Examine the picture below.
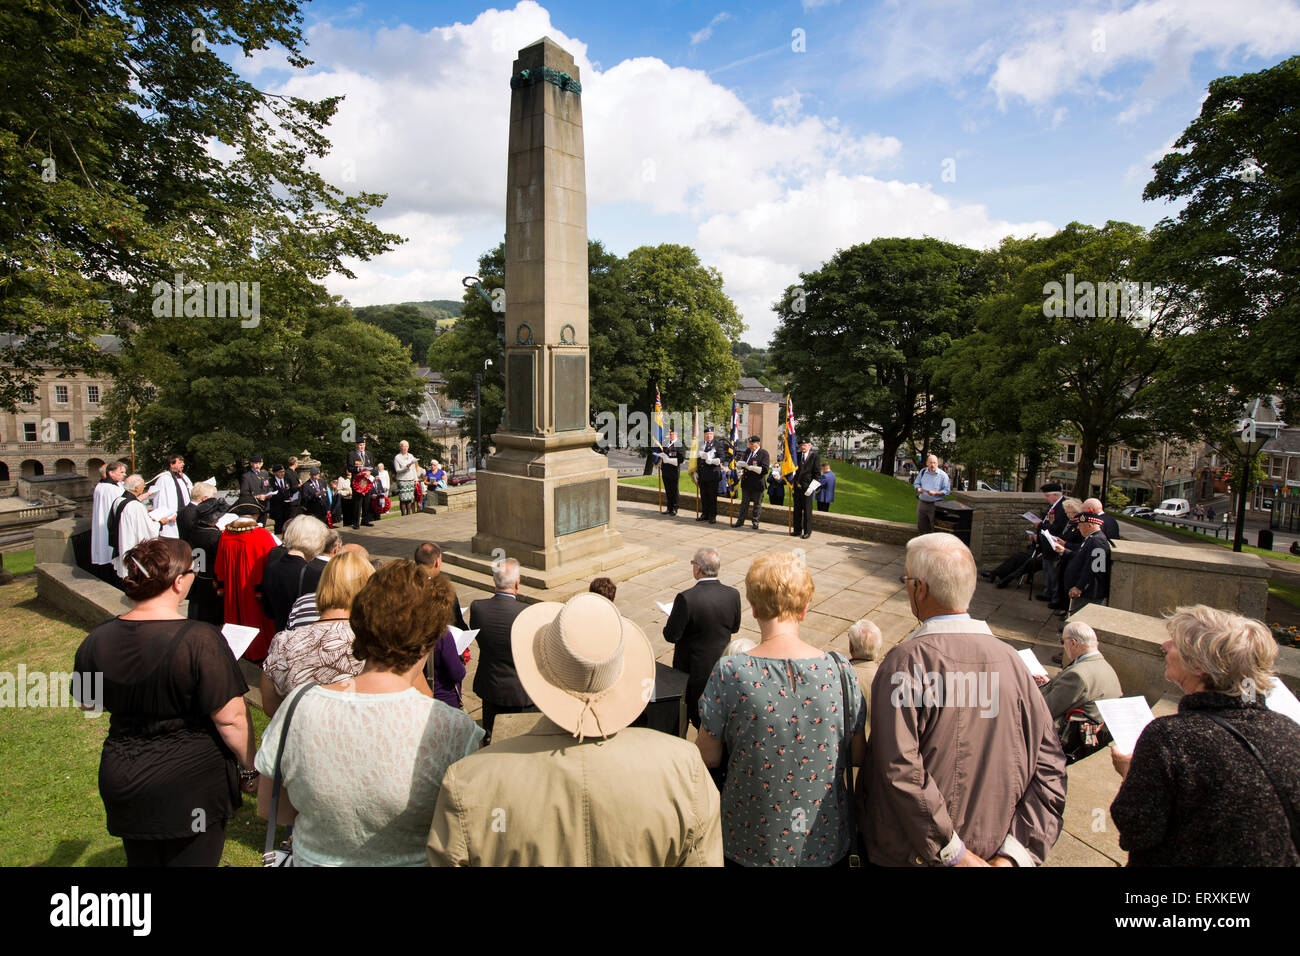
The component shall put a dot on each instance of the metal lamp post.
(1248, 443)
(478, 420)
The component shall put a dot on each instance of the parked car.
(460, 480)
(1174, 508)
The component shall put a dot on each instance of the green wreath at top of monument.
(545, 73)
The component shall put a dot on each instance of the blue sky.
(768, 135)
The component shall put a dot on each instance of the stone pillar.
(765, 422)
(546, 497)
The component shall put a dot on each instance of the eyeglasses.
(904, 578)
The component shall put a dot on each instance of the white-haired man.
(496, 682)
(129, 521)
(702, 621)
(963, 767)
(865, 646)
(1087, 677)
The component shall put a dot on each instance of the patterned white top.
(316, 653)
(364, 771)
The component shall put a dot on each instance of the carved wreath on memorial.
(568, 335)
(562, 80)
(524, 334)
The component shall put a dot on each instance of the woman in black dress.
(179, 728)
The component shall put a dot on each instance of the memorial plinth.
(546, 497)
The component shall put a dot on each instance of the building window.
(1278, 467)
(1071, 454)
(29, 431)
(28, 395)
(1101, 460)
(1131, 460)
(65, 431)
(61, 394)
(92, 394)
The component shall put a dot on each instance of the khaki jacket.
(1085, 679)
(963, 753)
(638, 798)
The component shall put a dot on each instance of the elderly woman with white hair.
(1218, 783)
(406, 472)
(296, 572)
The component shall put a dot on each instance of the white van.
(1174, 508)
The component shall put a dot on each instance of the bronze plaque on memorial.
(581, 506)
(570, 372)
(519, 388)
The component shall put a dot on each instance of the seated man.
(1085, 678)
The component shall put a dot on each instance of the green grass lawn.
(20, 562)
(858, 491)
(1285, 592)
(50, 810)
(1220, 542)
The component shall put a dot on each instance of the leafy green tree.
(411, 326)
(854, 337)
(110, 182)
(1231, 253)
(308, 376)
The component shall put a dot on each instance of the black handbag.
(270, 855)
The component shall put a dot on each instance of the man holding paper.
(932, 486)
(670, 459)
(753, 474)
(806, 483)
(496, 682)
(707, 472)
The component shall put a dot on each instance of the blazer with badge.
(496, 679)
(704, 471)
(701, 624)
(809, 470)
(358, 460)
(255, 482)
(676, 455)
(754, 482)
(1055, 521)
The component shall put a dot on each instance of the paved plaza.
(854, 579)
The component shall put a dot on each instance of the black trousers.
(670, 488)
(803, 508)
(202, 849)
(751, 505)
(709, 498)
(823, 506)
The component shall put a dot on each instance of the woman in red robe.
(241, 560)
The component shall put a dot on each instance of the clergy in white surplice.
(171, 493)
(135, 523)
(107, 491)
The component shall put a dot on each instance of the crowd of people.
(941, 750)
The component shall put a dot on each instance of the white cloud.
(700, 36)
(1073, 52)
(763, 248)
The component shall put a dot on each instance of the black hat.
(277, 467)
(313, 470)
(246, 507)
(256, 457)
(1051, 486)
(708, 428)
(754, 438)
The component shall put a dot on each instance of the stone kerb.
(997, 528)
(848, 526)
(1153, 579)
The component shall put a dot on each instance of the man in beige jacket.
(582, 788)
(963, 766)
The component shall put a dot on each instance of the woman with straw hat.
(581, 788)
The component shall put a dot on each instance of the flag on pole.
(659, 421)
(733, 474)
(788, 466)
(693, 463)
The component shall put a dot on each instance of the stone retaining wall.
(848, 526)
(1156, 578)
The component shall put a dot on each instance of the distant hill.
(416, 324)
(434, 308)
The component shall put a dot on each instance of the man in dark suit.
(255, 485)
(1055, 521)
(700, 625)
(278, 505)
(708, 472)
(496, 682)
(753, 480)
(809, 470)
(359, 505)
(670, 468)
(295, 487)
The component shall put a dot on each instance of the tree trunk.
(1083, 472)
(888, 454)
(1032, 464)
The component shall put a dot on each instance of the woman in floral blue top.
(791, 719)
